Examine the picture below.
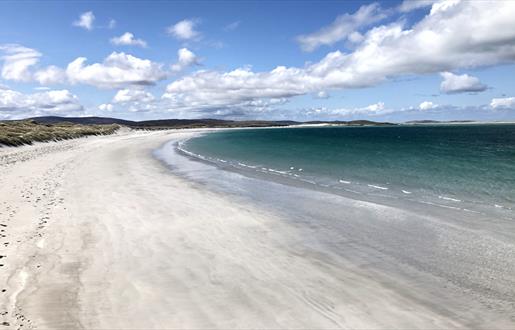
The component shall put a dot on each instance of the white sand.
(101, 235)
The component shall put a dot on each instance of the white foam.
(343, 181)
(449, 199)
(277, 171)
(440, 205)
(406, 192)
(377, 187)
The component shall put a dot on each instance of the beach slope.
(97, 234)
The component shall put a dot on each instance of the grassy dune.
(15, 133)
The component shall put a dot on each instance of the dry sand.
(97, 234)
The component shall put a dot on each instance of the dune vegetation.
(15, 133)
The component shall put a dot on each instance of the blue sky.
(302, 60)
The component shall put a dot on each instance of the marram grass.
(15, 133)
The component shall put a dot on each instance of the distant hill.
(190, 123)
(81, 120)
(160, 123)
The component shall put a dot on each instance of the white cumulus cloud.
(453, 83)
(85, 21)
(118, 69)
(128, 39)
(184, 30)
(50, 75)
(506, 102)
(17, 62)
(132, 95)
(15, 104)
(427, 105)
(105, 107)
(185, 58)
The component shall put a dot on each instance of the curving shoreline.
(102, 235)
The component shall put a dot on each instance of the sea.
(467, 167)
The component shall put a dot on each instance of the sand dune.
(98, 234)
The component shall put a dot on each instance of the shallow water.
(467, 167)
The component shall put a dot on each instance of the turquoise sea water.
(469, 167)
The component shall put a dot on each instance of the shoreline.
(438, 205)
(95, 223)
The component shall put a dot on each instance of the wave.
(449, 199)
(377, 187)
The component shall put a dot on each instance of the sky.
(288, 60)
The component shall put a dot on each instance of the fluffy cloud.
(14, 104)
(50, 75)
(455, 34)
(105, 107)
(460, 83)
(118, 69)
(345, 26)
(185, 58)
(132, 95)
(427, 105)
(17, 62)
(85, 20)
(128, 39)
(184, 30)
(377, 107)
(507, 102)
(216, 89)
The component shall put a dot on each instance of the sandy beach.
(98, 234)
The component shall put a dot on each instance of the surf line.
(377, 187)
